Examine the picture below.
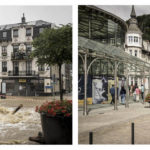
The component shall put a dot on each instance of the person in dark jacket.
(123, 94)
(112, 92)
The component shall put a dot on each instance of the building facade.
(20, 73)
(106, 28)
(136, 46)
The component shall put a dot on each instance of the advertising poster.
(100, 90)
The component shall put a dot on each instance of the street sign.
(49, 87)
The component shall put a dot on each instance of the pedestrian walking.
(137, 90)
(142, 92)
(112, 92)
(123, 94)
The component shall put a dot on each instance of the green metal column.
(85, 86)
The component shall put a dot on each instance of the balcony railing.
(22, 73)
(20, 56)
(4, 53)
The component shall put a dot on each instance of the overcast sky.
(54, 14)
(123, 11)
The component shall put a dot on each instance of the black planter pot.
(57, 130)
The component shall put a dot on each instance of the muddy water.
(17, 128)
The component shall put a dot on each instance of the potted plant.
(147, 98)
(56, 120)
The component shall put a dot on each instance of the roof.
(133, 14)
(31, 23)
(133, 24)
(110, 52)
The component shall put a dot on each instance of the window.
(28, 48)
(15, 33)
(4, 50)
(4, 34)
(135, 53)
(130, 51)
(112, 41)
(135, 39)
(41, 68)
(4, 66)
(130, 39)
(41, 30)
(29, 67)
(15, 48)
(28, 32)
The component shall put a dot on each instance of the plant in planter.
(147, 98)
(56, 120)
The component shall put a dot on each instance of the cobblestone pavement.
(114, 127)
(17, 128)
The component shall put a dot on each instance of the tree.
(54, 47)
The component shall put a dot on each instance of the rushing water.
(16, 128)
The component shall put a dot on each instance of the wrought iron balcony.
(4, 53)
(20, 56)
(22, 73)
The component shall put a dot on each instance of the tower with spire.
(134, 45)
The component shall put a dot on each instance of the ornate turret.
(133, 14)
(23, 19)
(133, 24)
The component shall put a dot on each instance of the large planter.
(57, 130)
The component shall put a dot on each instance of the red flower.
(63, 111)
(67, 114)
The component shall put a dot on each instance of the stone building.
(20, 73)
(136, 46)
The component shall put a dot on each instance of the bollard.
(91, 138)
(132, 133)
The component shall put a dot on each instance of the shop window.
(130, 51)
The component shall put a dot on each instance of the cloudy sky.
(54, 14)
(123, 11)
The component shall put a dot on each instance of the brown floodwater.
(17, 128)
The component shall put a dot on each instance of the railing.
(4, 53)
(22, 73)
(20, 56)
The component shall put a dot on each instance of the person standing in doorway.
(123, 95)
(142, 92)
(112, 92)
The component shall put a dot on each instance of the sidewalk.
(114, 126)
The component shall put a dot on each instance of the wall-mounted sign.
(3, 88)
(22, 80)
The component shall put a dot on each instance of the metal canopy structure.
(111, 52)
(102, 36)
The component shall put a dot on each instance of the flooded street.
(17, 128)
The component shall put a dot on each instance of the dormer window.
(15, 33)
(4, 34)
(28, 32)
(41, 30)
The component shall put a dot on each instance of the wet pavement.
(111, 126)
(17, 128)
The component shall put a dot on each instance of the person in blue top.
(112, 92)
